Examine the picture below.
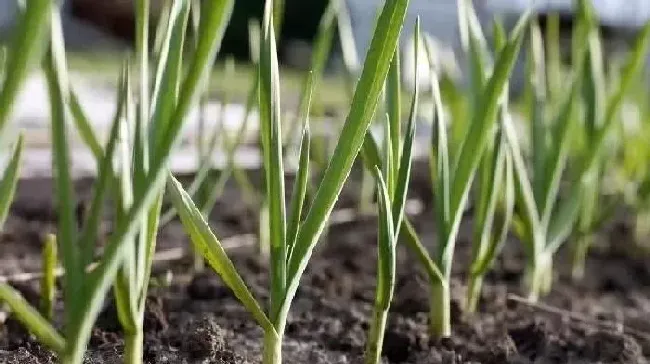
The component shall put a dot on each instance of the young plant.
(452, 182)
(130, 245)
(392, 189)
(26, 49)
(536, 199)
(452, 178)
(496, 196)
(591, 209)
(543, 220)
(289, 255)
(494, 188)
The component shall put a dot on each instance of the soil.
(195, 319)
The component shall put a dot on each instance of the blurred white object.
(437, 18)
(79, 34)
(8, 9)
(615, 13)
(443, 59)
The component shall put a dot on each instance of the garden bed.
(196, 319)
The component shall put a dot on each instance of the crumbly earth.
(196, 319)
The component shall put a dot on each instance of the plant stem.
(272, 348)
(74, 353)
(133, 350)
(547, 276)
(474, 286)
(376, 336)
(440, 324)
(199, 263)
(539, 275)
(579, 256)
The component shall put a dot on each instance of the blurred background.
(109, 24)
(99, 32)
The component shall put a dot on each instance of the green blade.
(404, 166)
(142, 9)
(386, 246)
(301, 183)
(216, 15)
(32, 319)
(634, 63)
(205, 242)
(499, 35)
(161, 27)
(370, 152)
(562, 222)
(10, 179)
(278, 16)
(56, 75)
(365, 100)
(557, 158)
(484, 233)
(387, 150)
(88, 235)
(472, 148)
(150, 236)
(411, 239)
(525, 200)
(124, 286)
(370, 157)
(83, 125)
(271, 135)
(537, 106)
(394, 110)
(553, 56)
(484, 119)
(168, 70)
(439, 158)
(48, 281)
(27, 47)
(478, 53)
(504, 218)
(567, 210)
(254, 37)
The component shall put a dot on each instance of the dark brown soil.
(196, 319)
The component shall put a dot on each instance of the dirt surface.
(196, 319)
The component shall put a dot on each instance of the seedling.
(25, 50)
(145, 145)
(452, 178)
(452, 182)
(495, 187)
(288, 261)
(543, 220)
(392, 187)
